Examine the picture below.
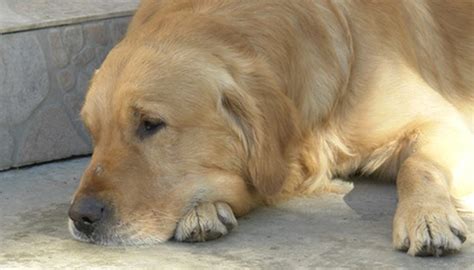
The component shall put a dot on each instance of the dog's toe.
(226, 216)
(430, 231)
(207, 221)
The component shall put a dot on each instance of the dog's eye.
(150, 127)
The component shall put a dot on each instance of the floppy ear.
(265, 121)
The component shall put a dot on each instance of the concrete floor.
(351, 231)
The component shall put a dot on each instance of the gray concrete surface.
(22, 15)
(332, 231)
(44, 73)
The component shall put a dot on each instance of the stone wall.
(44, 75)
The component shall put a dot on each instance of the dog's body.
(261, 100)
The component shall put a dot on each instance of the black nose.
(86, 212)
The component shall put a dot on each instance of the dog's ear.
(265, 121)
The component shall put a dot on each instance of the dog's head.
(174, 127)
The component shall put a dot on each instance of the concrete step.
(48, 52)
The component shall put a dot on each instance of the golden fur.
(268, 99)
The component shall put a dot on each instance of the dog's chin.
(113, 238)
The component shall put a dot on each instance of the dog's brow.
(147, 108)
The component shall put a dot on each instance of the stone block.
(84, 57)
(58, 53)
(44, 75)
(73, 102)
(96, 32)
(23, 76)
(6, 148)
(26, 15)
(49, 136)
(118, 29)
(73, 39)
(65, 79)
(100, 53)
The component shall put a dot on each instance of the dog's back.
(434, 39)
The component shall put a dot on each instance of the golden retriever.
(207, 109)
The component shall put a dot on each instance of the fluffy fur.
(265, 100)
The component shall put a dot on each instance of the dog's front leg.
(439, 168)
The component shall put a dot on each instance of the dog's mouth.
(96, 221)
(116, 234)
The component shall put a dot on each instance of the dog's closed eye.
(149, 127)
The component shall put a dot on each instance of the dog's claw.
(207, 221)
(459, 234)
(226, 216)
(428, 231)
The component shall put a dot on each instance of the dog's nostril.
(86, 220)
(86, 212)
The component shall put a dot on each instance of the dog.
(207, 109)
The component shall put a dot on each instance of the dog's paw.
(428, 230)
(207, 221)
